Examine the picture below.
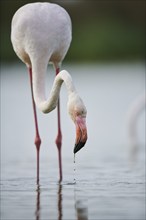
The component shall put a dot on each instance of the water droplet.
(74, 158)
(74, 169)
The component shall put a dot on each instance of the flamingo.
(41, 33)
(136, 108)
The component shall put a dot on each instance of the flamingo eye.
(81, 112)
(77, 113)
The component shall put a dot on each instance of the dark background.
(102, 30)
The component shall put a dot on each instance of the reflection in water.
(81, 210)
(37, 212)
(80, 207)
(59, 201)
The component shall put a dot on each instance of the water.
(102, 184)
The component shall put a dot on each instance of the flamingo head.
(78, 112)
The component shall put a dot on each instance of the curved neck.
(47, 105)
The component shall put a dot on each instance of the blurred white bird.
(135, 110)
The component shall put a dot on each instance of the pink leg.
(37, 138)
(59, 137)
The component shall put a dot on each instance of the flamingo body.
(41, 31)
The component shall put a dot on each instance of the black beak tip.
(78, 146)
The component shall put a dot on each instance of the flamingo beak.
(81, 133)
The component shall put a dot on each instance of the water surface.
(104, 185)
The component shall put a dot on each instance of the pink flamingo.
(41, 33)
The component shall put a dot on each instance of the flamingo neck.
(48, 105)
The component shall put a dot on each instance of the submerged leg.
(37, 138)
(59, 137)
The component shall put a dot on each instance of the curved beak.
(81, 133)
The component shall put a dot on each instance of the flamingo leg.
(59, 136)
(37, 137)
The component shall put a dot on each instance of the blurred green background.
(102, 30)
